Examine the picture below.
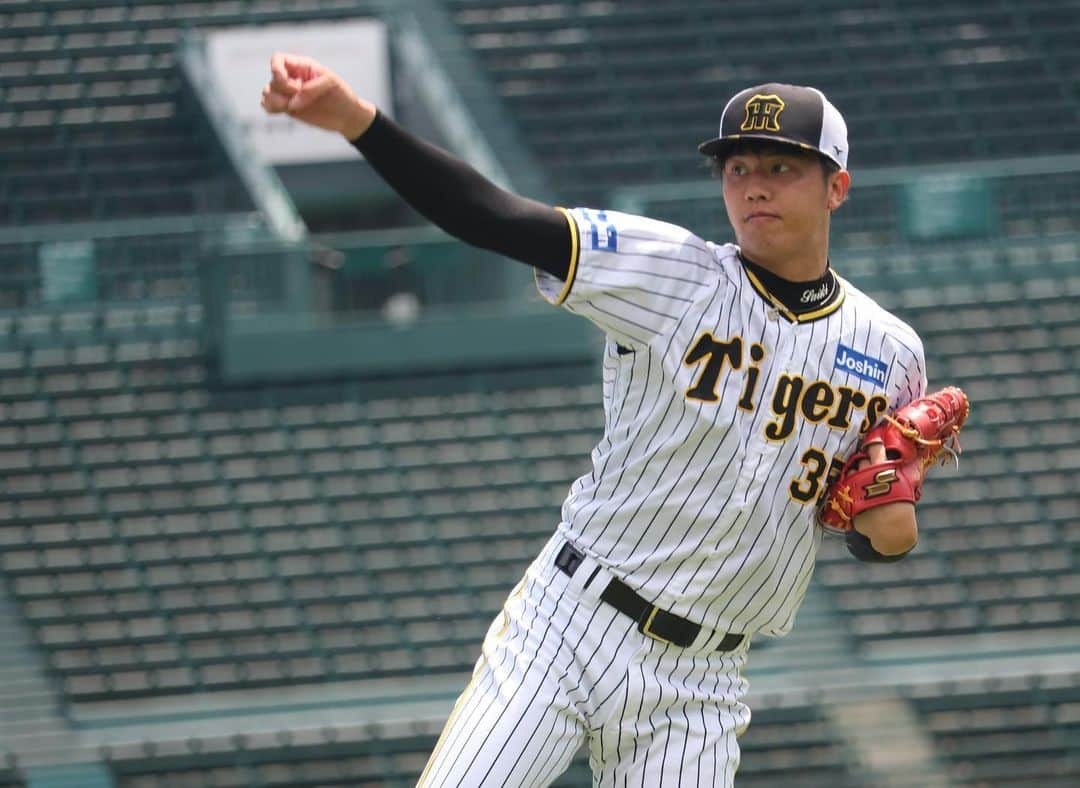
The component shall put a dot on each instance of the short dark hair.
(761, 147)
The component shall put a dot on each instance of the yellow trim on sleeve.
(575, 250)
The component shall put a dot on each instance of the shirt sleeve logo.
(602, 233)
(855, 363)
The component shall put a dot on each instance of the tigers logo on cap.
(787, 114)
(763, 113)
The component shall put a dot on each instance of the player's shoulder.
(652, 247)
(727, 262)
(868, 311)
(632, 224)
(629, 233)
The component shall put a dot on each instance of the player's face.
(779, 203)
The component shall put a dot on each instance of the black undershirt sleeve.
(860, 547)
(457, 198)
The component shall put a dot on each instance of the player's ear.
(838, 185)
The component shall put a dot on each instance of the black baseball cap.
(789, 114)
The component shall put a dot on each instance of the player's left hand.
(894, 458)
(891, 528)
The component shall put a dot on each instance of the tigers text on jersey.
(723, 418)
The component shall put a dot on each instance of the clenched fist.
(310, 92)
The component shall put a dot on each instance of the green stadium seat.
(989, 541)
(1004, 735)
(96, 92)
(915, 84)
(783, 743)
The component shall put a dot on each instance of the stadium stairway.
(31, 722)
(908, 761)
(821, 643)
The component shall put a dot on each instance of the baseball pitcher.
(753, 400)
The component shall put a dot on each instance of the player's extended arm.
(441, 187)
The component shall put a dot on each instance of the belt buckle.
(646, 627)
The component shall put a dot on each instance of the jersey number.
(807, 486)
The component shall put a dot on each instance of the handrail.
(460, 99)
(121, 228)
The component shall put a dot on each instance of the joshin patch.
(861, 366)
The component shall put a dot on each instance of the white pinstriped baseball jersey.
(722, 418)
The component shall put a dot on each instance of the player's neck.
(808, 268)
(791, 274)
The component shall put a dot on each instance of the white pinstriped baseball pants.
(559, 667)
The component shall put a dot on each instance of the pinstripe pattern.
(687, 500)
(720, 419)
(565, 669)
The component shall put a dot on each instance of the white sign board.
(240, 60)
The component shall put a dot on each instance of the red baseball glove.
(913, 438)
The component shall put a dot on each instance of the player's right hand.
(310, 92)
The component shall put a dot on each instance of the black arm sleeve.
(464, 203)
(860, 547)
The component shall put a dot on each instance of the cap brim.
(718, 146)
(714, 147)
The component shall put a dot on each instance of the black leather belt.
(651, 620)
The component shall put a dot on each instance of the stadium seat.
(569, 72)
(224, 529)
(988, 547)
(95, 94)
(251, 514)
(783, 743)
(998, 736)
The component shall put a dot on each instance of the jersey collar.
(783, 310)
